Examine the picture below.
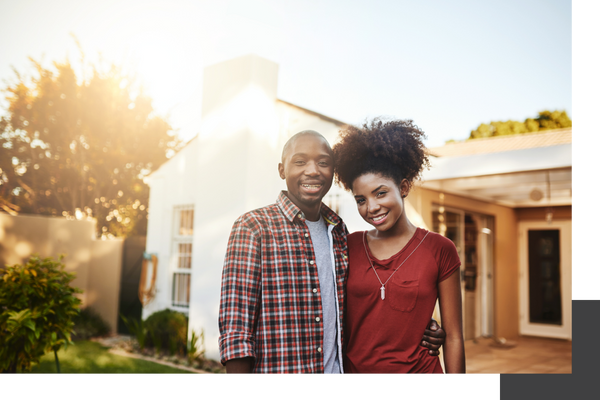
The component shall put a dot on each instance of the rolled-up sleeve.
(240, 292)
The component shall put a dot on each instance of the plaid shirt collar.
(291, 210)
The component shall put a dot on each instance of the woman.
(396, 271)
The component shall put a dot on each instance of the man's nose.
(311, 169)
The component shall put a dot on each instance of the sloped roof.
(504, 143)
(323, 117)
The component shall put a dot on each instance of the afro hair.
(392, 148)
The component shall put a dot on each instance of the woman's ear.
(404, 188)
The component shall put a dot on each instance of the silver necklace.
(382, 288)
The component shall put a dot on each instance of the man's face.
(307, 168)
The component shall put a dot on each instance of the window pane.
(186, 222)
(184, 255)
(181, 289)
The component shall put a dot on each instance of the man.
(282, 291)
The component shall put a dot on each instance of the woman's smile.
(379, 219)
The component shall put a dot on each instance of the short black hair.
(392, 148)
(293, 139)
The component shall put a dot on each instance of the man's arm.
(240, 299)
(433, 338)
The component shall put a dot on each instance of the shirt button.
(317, 319)
(319, 349)
(306, 235)
(311, 262)
(315, 290)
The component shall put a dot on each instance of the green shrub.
(89, 324)
(167, 329)
(37, 307)
(137, 329)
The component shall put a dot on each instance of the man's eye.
(299, 163)
(324, 164)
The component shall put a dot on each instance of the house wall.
(96, 264)
(506, 268)
(173, 184)
(539, 213)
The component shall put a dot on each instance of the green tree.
(80, 147)
(545, 120)
(37, 306)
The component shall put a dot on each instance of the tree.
(37, 306)
(81, 147)
(545, 120)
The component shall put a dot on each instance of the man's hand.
(433, 338)
(239, 365)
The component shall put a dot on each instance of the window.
(333, 201)
(182, 255)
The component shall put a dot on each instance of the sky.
(447, 65)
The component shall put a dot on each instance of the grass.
(92, 358)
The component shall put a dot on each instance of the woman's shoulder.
(355, 237)
(439, 240)
(441, 248)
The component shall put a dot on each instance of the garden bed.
(126, 346)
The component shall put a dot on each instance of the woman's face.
(379, 200)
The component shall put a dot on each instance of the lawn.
(93, 358)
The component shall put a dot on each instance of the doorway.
(472, 234)
(545, 279)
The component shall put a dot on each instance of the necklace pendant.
(382, 292)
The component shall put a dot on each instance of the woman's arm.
(451, 314)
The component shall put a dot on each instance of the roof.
(324, 117)
(504, 143)
(532, 159)
(530, 170)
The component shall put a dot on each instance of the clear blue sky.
(448, 65)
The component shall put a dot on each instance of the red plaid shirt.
(270, 296)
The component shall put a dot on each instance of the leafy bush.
(167, 329)
(137, 329)
(37, 307)
(89, 324)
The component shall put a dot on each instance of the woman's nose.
(372, 206)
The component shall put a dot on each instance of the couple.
(301, 295)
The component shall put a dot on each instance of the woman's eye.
(379, 194)
(360, 202)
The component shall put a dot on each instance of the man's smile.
(311, 188)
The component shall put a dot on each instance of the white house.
(490, 196)
(228, 169)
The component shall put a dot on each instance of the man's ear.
(281, 171)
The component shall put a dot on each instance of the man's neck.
(311, 213)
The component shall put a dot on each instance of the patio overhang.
(536, 177)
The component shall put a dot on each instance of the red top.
(384, 336)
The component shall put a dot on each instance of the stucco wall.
(96, 264)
